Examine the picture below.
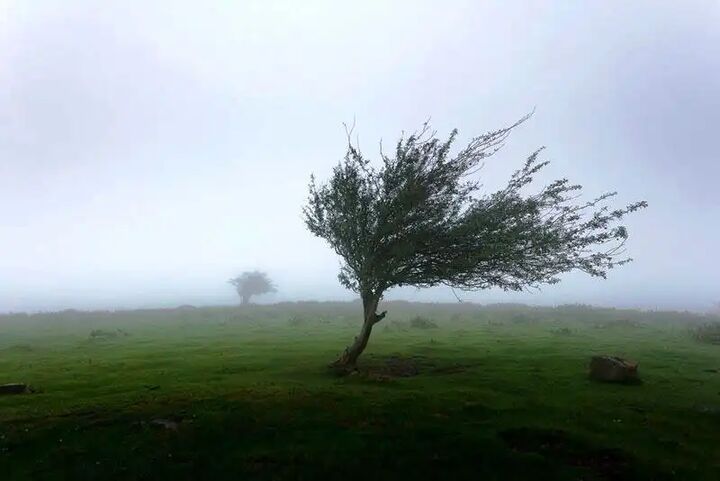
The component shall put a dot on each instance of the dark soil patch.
(401, 366)
(395, 366)
(609, 464)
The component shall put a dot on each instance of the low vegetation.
(708, 333)
(419, 322)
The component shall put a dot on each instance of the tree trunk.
(348, 359)
(245, 299)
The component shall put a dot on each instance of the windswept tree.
(253, 283)
(418, 218)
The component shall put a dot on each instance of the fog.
(148, 153)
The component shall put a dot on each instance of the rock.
(613, 369)
(166, 424)
(14, 388)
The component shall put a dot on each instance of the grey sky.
(148, 153)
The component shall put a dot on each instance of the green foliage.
(521, 318)
(419, 322)
(617, 323)
(107, 334)
(253, 283)
(296, 321)
(419, 219)
(707, 333)
(562, 331)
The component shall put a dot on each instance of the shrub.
(616, 323)
(521, 319)
(419, 322)
(103, 334)
(296, 321)
(399, 325)
(708, 333)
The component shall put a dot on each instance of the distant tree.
(250, 284)
(418, 219)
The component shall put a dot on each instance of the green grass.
(502, 394)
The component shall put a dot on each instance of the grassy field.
(500, 393)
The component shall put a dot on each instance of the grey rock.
(613, 369)
(14, 388)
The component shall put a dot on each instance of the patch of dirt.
(609, 464)
(394, 366)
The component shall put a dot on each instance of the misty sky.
(150, 152)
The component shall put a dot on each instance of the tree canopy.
(418, 218)
(253, 283)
